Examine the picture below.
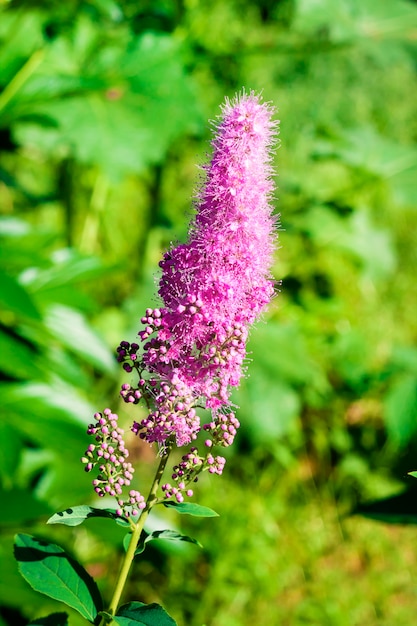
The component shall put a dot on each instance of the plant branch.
(136, 534)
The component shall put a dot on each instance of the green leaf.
(123, 125)
(169, 535)
(22, 506)
(74, 332)
(15, 298)
(400, 408)
(398, 509)
(413, 474)
(55, 619)
(76, 515)
(139, 614)
(18, 358)
(190, 508)
(11, 446)
(68, 268)
(49, 570)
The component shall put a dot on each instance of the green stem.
(20, 78)
(134, 540)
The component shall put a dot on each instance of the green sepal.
(190, 508)
(49, 570)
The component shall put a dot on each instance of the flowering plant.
(190, 355)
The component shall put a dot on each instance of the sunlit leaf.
(167, 535)
(76, 515)
(139, 614)
(190, 508)
(49, 570)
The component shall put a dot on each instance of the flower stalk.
(137, 528)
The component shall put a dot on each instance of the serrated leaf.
(76, 515)
(190, 508)
(55, 619)
(49, 570)
(139, 614)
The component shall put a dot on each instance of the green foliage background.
(103, 116)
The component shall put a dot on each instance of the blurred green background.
(103, 119)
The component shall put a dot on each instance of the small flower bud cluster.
(127, 354)
(222, 429)
(187, 471)
(109, 453)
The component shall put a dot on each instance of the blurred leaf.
(124, 122)
(10, 451)
(74, 332)
(349, 20)
(365, 149)
(351, 357)
(399, 509)
(16, 299)
(76, 515)
(53, 399)
(355, 234)
(400, 408)
(404, 190)
(67, 268)
(21, 505)
(190, 508)
(405, 358)
(18, 358)
(47, 569)
(20, 35)
(326, 17)
(270, 408)
(55, 619)
(13, 227)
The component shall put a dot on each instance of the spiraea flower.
(192, 348)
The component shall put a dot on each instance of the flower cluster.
(191, 350)
(115, 472)
(187, 471)
(213, 287)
